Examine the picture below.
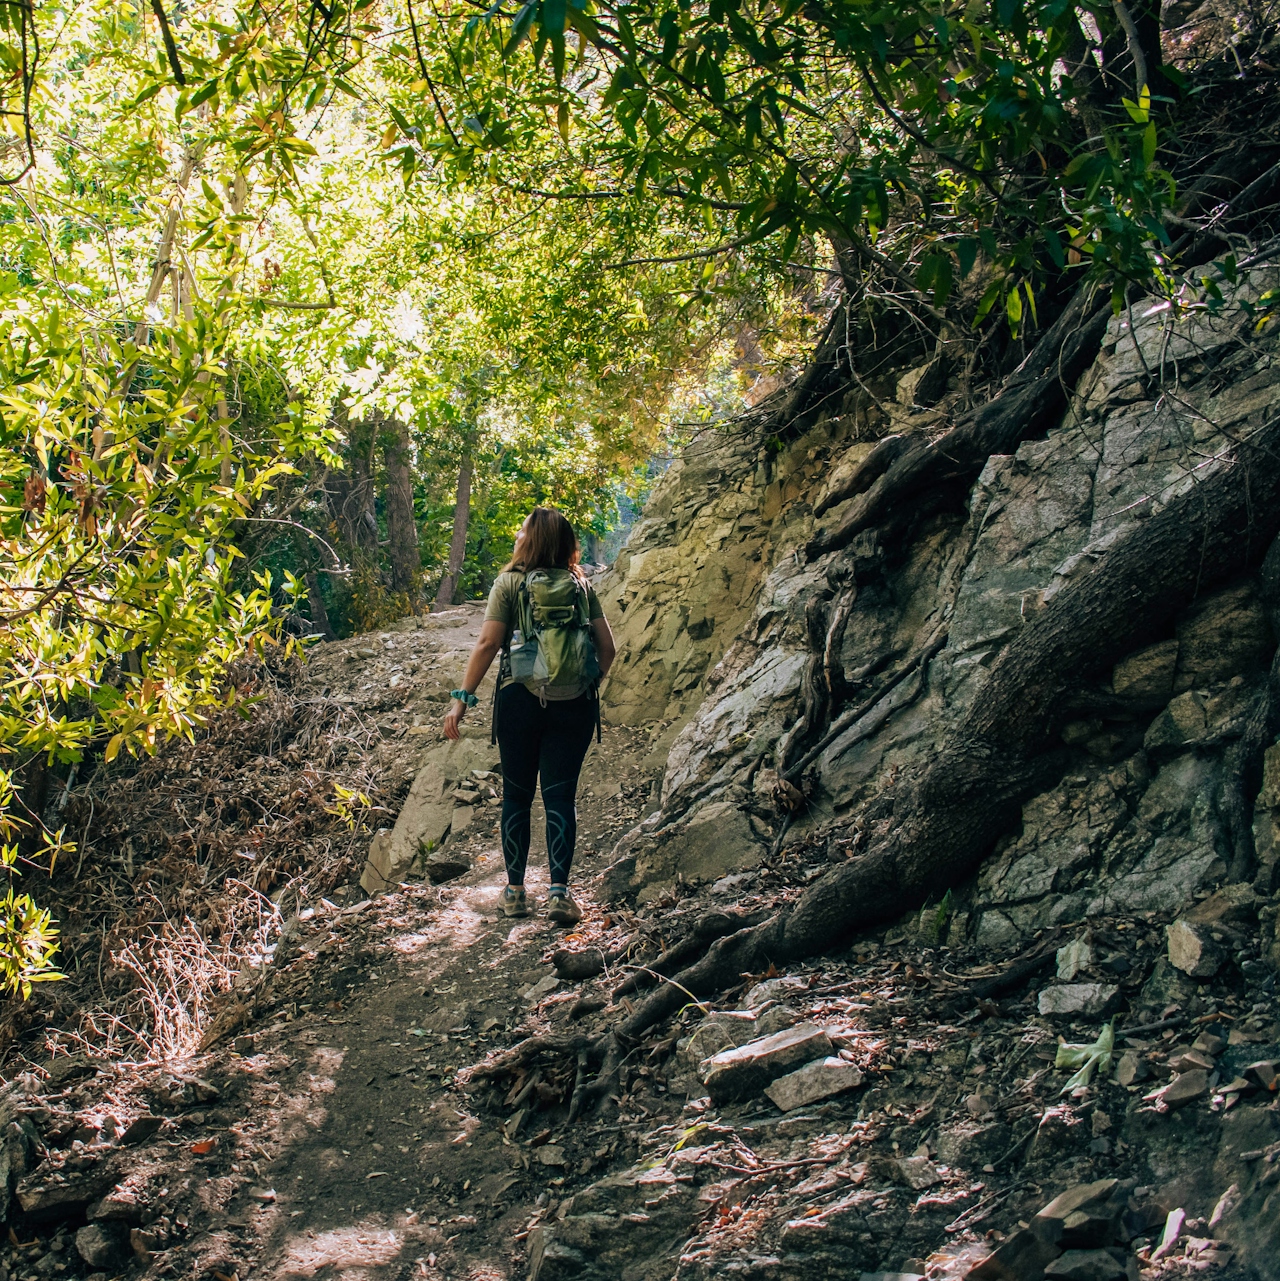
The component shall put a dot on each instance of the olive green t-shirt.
(502, 608)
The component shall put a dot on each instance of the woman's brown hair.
(548, 543)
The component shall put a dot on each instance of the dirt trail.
(379, 1167)
(334, 1129)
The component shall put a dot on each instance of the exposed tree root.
(706, 929)
(1242, 763)
(904, 467)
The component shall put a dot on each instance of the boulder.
(1146, 678)
(1182, 1089)
(779, 989)
(745, 1070)
(428, 810)
(1088, 1265)
(1089, 1000)
(723, 1030)
(446, 865)
(1131, 1069)
(1198, 719)
(717, 840)
(58, 1195)
(141, 1129)
(103, 1245)
(818, 1080)
(1085, 1204)
(576, 966)
(1231, 905)
(1193, 950)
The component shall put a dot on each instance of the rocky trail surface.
(391, 1093)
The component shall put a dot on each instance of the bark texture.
(458, 543)
(315, 603)
(349, 494)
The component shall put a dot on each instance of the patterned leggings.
(550, 742)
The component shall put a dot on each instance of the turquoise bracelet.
(463, 697)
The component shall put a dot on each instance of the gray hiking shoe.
(514, 901)
(562, 909)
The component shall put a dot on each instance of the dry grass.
(189, 864)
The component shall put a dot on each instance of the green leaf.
(1013, 307)
(1053, 242)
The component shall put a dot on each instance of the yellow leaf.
(113, 748)
(393, 132)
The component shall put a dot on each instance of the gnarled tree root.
(905, 467)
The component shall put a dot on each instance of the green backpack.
(556, 649)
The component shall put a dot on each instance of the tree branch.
(170, 48)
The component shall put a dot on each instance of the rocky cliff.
(714, 601)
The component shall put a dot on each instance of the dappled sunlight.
(408, 944)
(351, 1252)
(461, 924)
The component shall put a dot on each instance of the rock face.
(429, 811)
(709, 600)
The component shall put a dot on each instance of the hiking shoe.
(562, 909)
(514, 901)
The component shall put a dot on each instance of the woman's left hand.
(453, 718)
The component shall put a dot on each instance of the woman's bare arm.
(606, 650)
(492, 636)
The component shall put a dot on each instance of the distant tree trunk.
(402, 529)
(315, 602)
(458, 544)
(350, 493)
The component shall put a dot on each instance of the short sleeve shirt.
(505, 593)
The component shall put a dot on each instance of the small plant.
(28, 941)
(350, 805)
(933, 926)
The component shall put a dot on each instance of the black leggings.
(550, 742)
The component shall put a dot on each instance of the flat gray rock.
(1089, 999)
(745, 1070)
(1086, 1265)
(821, 1079)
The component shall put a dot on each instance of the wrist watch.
(463, 697)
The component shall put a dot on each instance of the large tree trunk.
(458, 544)
(402, 528)
(947, 817)
(315, 602)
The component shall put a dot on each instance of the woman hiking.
(556, 645)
